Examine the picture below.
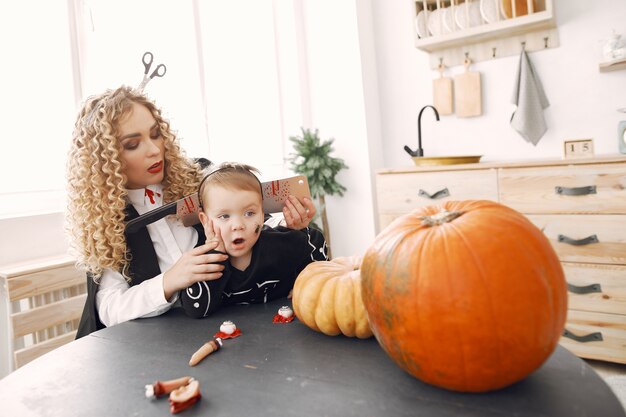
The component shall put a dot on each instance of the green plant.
(313, 160)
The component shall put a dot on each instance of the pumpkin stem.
(444, 216)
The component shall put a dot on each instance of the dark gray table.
(273, 370)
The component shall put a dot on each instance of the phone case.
(276, 192)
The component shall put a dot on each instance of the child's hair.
(97, 194)
(233, 176)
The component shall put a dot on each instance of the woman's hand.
(213, 234)
(297, 215)
(193, 266)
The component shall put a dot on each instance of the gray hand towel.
(530, 99)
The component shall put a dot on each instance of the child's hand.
(297, 215)
(213, 234)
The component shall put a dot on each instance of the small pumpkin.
(327, 298)
(468, 296)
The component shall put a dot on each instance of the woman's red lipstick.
(156, 168)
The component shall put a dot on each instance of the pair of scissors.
(159, 71)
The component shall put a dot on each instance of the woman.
(124, 161)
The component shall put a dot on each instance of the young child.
(263, 263)
(125, 160)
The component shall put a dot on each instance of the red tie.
(150, 195)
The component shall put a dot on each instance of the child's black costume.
(278, 256)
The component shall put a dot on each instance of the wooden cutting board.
(442, 93)
(467, 93)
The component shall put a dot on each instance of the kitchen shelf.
(506, 37)
(617, 64)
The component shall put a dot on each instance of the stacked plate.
(468, 14)
(490, 10)
(420, 24)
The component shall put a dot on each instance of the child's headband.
(245, 169)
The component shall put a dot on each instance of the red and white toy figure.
(161, 388)
(228, 330)
(205, 350)
(185, 396)
(284, 315)
(184, 392)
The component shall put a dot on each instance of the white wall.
(340, 108)
(31, 237)
(583, 101)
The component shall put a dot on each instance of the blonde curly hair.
(96, 188)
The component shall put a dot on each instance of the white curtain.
(233, 90)
(36, 105)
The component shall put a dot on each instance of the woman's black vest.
(143, 265)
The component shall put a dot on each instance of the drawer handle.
(439, 194)
(590, 189)
(584, 289)
(591, 337)
(578, 242)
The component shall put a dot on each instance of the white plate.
(490, 10)
(461, 15)
(435, 23)
(449, 25)
(420, 24)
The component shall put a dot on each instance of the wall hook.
(493, 52)
(545, 42)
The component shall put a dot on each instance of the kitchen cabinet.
(580, 205)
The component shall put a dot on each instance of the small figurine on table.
(284, 315)
(184, 392)
(160, 388)
(185, 396)
(205, 350)
(228, 330)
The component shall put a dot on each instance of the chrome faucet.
(420, 151)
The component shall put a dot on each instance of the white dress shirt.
(116, 301)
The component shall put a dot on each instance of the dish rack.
(455, 30)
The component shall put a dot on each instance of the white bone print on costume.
(321, 250)
(229, 294)
(190, 294)
(265, 284)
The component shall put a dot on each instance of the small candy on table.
(228, 330)
(284, 315)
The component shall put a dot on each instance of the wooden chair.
(44, 303)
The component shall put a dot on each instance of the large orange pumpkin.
(468, 296)
(327, 298)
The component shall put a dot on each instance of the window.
(37, 106)
(242, 84)
(222, 91)
(116, 33)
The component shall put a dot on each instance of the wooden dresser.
(581, 207)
